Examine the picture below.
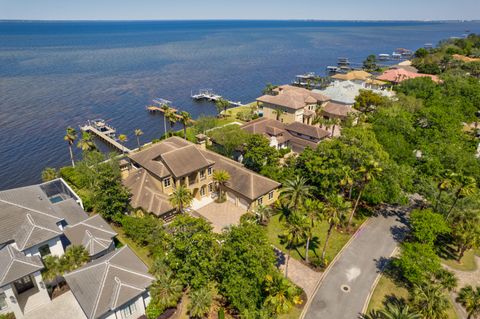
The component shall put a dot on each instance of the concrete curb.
(375, 283)
(319, 283)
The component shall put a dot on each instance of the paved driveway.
(221, 215)
(356, 270)
(64, 306)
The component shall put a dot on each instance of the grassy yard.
(232, 113)
(294, 313)
(141, 252)
(275, 229)
(467, 263)
(387, 289)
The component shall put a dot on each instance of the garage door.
(243, 203)
(231, 197)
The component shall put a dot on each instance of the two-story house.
(290, 104)
(41, 220)
(158, 169)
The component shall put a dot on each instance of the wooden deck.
(107, 139)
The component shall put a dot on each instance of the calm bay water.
(56, 74)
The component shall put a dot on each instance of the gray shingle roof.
(15, 265)
(35, 229)
(308, 130)
(109, 282)
(185, 160)
(93, 233)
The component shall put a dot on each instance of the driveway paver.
(64, 306)
(345, 288)
(221, 215)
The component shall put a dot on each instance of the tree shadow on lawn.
(445, 249)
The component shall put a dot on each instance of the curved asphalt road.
(357, 268)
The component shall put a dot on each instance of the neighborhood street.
(345, 288)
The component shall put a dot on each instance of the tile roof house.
(41, 220)
(296, 135)
(291, 104)
(357, 75)
(396, 76)
(157, 170)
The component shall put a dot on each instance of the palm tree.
(201, 302)
(172, 118)
(268, 90)
(398, 310)
(368, 173)
(334, 215)
(221, 177)
(49, 174)
(313, 211)
(295, 228)
(263, 214)
(469, 298)
(180, 198)
(444, 185)
(122, 138)
(278, 113)
(166, 290)
(319, 119)
(185, 119)
(372, 314)
(430, 301)
(75, 257)
(281, 294)
(222, 106)
(467, 187)
(296, 191)
(334, 121)
(86, 144)
(138, 133)
(466, 233)
(165, 109)
(70, 137)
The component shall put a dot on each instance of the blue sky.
(240, 9)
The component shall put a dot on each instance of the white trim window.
(44, 250)
(166, 182)
(128, 310)
(202, 174)
(270, 195)
(203, 191)
(260, 201)
(210, 188)
(3, 301)
(210, 170)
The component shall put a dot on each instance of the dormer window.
(166, 182)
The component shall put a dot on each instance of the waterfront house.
(358, 76)
(290, 104)
(37, 221)
(162, 167)
(296, 135)
(396, 76)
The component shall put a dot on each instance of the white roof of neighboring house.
(345, 92)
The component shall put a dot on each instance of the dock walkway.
(209, 95)
(107, 139)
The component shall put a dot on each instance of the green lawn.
(275, 229)
(467, 263)
(232, 113)
(294, 313)
(387, 288)
(141, 252)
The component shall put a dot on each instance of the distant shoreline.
(246, 20)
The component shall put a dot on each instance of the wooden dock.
(154, 109)
(209, 95)
(105, 137)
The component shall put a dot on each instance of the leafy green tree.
(49, 174)
(466, 231)
(467, 186)
(259, 153)
(185, 119)
(295, 191)
(138, 132)
(192, 250)
(144, 230)
(246, 258)
(368, 101)
(370, 63)
(70, 137)
(469, 298)
(263, 214)
(427, 225)
(269, 89)
(204, 123)
(444, 185)
(421, 53)
(57, 266)
(172, 118)
(180, 198)
(430, 301)
(221, 177)
(201, 301)
(282, 296)
(230, 138)
(417, 262)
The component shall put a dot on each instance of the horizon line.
(227, 19)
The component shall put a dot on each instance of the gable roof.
(15, 265)
(109, 282)
(93, 233)
(185, 160)
(332, 109)
(292, 97)
(353, 75)
(400, 75)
